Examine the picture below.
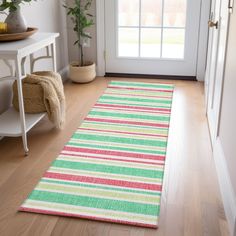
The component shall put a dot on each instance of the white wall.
(228, 110)
(47, 16)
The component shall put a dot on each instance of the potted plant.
(81, 71)
(15, 20)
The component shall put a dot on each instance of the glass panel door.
(157, 34)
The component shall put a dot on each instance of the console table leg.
(21, 104)
(54, 60)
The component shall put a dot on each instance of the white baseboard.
(64, 73)
(227, 192)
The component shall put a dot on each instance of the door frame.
(202, 41)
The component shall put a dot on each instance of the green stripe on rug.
(120, 140)
(128, 99)
(125, 206)
(108, 169)
(143, 85)
(119, 115)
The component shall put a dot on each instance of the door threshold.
(167, 77)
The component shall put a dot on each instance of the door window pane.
(151, 28)
(175, 13)
(151, 43)
(128, 42)
(151, 12)
(173, 43)
(128, 12)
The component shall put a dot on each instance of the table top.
(28, 45)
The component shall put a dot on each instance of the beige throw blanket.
(43, 92)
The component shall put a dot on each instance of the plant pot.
(16, 22)
(82, 74)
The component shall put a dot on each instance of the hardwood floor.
(191, 201)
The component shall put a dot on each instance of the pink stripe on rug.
(115, 153)
(130, 88)
(134, 110)
(161, 163)
(112, 182)
(137, 95)
(119, 132)
(133, 107)
(127, 122)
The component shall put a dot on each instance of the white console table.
(13, 123)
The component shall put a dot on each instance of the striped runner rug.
(112, 168)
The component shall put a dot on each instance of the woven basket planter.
(82, 74)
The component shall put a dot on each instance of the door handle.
(212, 24)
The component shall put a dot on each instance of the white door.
(157, 37)
(216, 62)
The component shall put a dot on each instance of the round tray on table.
(18, 36)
